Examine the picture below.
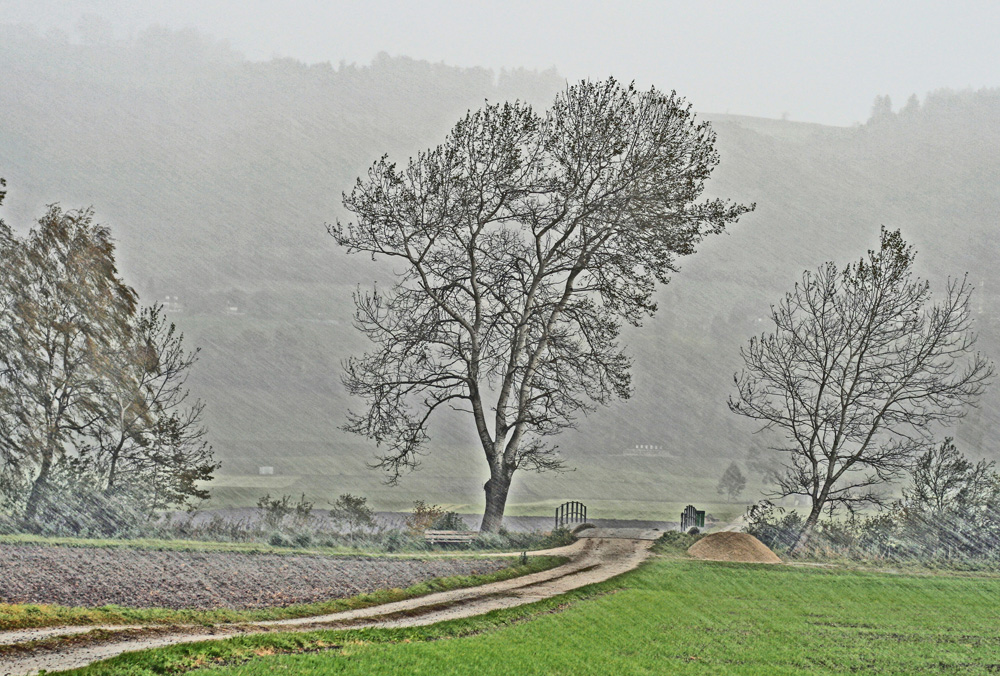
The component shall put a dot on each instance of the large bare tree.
(858, 370)
(521, 243)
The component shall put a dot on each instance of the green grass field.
(673, 616)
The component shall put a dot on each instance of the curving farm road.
(599, 555)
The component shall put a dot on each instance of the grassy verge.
(672, 616)
(23, 616)
(160, 544)
(173, 545)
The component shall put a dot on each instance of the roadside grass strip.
(160, 544)
(27, 616)
(671, 616)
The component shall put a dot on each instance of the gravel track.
(591, 560)
(94, 577)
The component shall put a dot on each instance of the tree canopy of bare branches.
(150, 436)
(522, 242)
(860, 367)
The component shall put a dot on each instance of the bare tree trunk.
(113, 467)
(807, 528)
(496, 500)
(39, 486)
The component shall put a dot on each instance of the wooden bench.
(450, 536)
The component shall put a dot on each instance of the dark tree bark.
(38, 486)
(496, 501)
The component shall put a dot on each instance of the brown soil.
(737, 547)
(591, 560)
(71, 576)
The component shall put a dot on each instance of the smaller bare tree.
(151, 436)
(857, 371)
(732, 482)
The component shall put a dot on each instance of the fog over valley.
(218, 175)
(575, 337)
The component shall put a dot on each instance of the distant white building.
(265, 471)
(648, 451)
(172, 304)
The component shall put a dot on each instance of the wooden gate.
(692, 518)
(571, 512)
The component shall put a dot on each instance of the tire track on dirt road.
(592, 559)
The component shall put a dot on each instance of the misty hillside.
(217, 176)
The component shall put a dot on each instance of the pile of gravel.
(737, 547)
(92, 577)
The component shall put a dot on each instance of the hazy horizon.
(216, 176)
(822, 62)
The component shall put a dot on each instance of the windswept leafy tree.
(522, 242)
(942, 478)
(92, 400)
(951, 505)
(69, 308)
(9, 476)
(858, 370)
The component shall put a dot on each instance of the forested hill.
(217, 176)
(216, 171)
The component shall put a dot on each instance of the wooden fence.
(571, 512)
(692, 518)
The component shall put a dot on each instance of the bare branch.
(857, 371)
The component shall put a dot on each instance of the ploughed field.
(86, 576)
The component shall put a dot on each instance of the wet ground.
(591, 560)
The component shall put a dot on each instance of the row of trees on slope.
(96, 428)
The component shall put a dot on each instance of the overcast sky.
(812, 61)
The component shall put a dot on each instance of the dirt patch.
(72, 576)
(591, 561)
(736, 547)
